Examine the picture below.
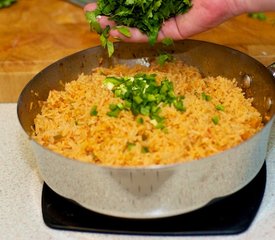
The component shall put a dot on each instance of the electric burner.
(229, 215)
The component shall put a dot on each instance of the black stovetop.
(230, 215)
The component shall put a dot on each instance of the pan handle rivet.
(247, 80)
(268, 103)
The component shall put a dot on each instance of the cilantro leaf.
(94, 24)
(104, 39)
(110, 48)
(124, 30)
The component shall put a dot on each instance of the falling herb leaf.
(94, 24)
(110, 48)
(163, 58)
(105, 42)
(167, 41)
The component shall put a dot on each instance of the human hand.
(203, 15)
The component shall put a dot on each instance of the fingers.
(136, 35)
(170, 29)
(104, 22)
(202, 16)
(90, 7)
(196, 20)
(185, 26)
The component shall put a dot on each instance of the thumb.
(203, 15)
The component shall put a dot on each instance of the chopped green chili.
(140, 120)
(220, 107)
(115, 110)
(130, 145)
(142, 95)
(206, 97)
(215, 120)
(93, 111)
(144, 149)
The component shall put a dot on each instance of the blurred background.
(35, 33)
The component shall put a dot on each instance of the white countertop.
(21, 187)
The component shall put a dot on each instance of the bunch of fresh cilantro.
(6, 3)
(146, 15)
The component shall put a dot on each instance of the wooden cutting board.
(34, 34)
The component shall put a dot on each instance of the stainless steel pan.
(81, 3)
(156, 191)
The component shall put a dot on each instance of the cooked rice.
(66, 126)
